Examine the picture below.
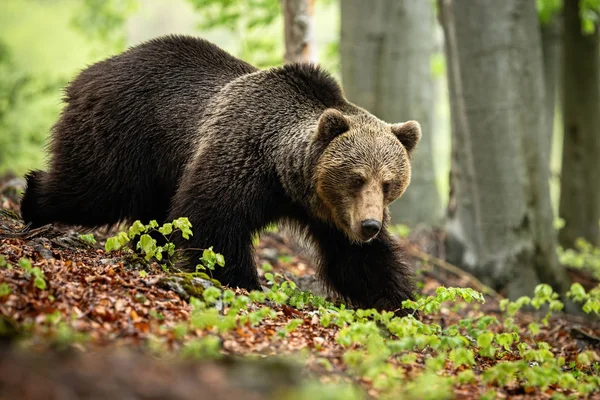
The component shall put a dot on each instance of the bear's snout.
(369, 228)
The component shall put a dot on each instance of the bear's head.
(363, 167)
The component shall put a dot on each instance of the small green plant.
(205, 347)
(36, 273)
(89, 239)
(145, 243)
(432, 304)
(209, 259)
(543, 295)
(584, 256)
(150, 249)
(590, 300)
(4, 289)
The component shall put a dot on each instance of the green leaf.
(584, 358)
(462, 356)
(112, 244)
(4, 263)
(39, 283)
(88, 238)
(534, 328)
(577, 292)
(25, 263)
(466, 376)
(166, 229)
(211, 294)
(4, 289)
(137, 228)
(170, 249)
(485, 339)
(270, 278)
(122, 238)
(505, 340)
(147, 245)
(184, 225)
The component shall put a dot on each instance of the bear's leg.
(226, 238)
(31, 210)
(85, 200)
(368, 275)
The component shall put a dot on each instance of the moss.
(188, 284)
(202, 275)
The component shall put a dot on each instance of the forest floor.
(102, 327)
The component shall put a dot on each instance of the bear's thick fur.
(177, 127)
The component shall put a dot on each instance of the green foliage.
(543, 295)
(588, 12)
(432, 304)
(36, 273)
(60, 331)
(247, 19)
(209, 259)
(206, 347)
(88, 238)
(585, 257)
(374, 339)
(35, 66)
(591, 300)
(104, 21)
(258, 28)
(148, 245)
(4, 289)
(19, 87)
(4, 263)
(547, 9)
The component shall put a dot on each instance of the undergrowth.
(398, 357)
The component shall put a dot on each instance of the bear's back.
(159, 87)
(130, 124)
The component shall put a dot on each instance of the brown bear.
(178, 127)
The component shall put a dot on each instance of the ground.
(96, 323)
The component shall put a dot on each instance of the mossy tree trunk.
(500, 226)
(580, 175)
(386, 50)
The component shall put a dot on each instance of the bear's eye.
(357, 182)
(386, 188)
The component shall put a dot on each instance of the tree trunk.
(551, 50)
(299, 31)
(386, 48)
(501, 226)
(580, 175)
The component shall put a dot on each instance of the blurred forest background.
(507, 92)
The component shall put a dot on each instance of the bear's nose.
(370, 228)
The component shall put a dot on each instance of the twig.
(26, 233)
(427, 258)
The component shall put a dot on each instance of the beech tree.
(580, 175)
(500, 224)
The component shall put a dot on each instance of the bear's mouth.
(368, 239)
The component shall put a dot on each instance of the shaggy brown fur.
(177, 127)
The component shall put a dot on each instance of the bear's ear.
(331, 124)
(409, 134)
